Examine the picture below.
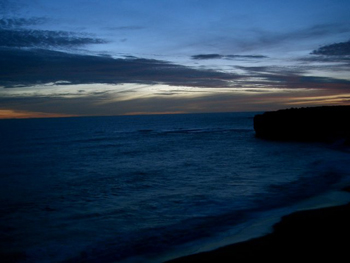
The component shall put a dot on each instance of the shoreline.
(313, 234)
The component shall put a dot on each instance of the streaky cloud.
(267, 39)
(218, 56)
(43, 38)
(28, 67)
(17, 32)
(272, 70)
(336, 49)
(8, 6)
(11, 23)
(207, 56)
(326, 59)
(292, 78)
(116, 28)
(37, 66)
(246, 56)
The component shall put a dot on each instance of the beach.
(317, 234)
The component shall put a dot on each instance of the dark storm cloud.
(218, 56)
(336, 49)
(29, 67)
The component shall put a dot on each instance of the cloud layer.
(218, 56)
(166, 58)
(336, 49)
(38, 66)
(14, 33)
(30, 67)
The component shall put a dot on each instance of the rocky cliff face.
(328, 124)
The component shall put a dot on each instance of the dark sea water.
(145, 188)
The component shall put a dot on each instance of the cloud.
(272, 70)
(43, 38)
(336, 49)
(291, 78)
(30, 67)
(10, 23)
(224, 100)
(37, 66)
(8, 6)
(247, 56)
(127, 28)
(218, 56)
(285, 40)
(207, 56)
(104, 104)
(16, 32)
(345, 60)
(321, 30)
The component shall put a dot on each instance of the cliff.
(326, 124)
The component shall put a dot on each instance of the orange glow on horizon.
(13, 114)
(339, 99)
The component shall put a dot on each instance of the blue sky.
(89, 57)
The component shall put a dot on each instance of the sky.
(127, 57)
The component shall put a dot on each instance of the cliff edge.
(326, 124)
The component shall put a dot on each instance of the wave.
(156, 240)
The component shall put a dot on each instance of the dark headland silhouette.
(326, 124)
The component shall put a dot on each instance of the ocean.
(149, 188)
